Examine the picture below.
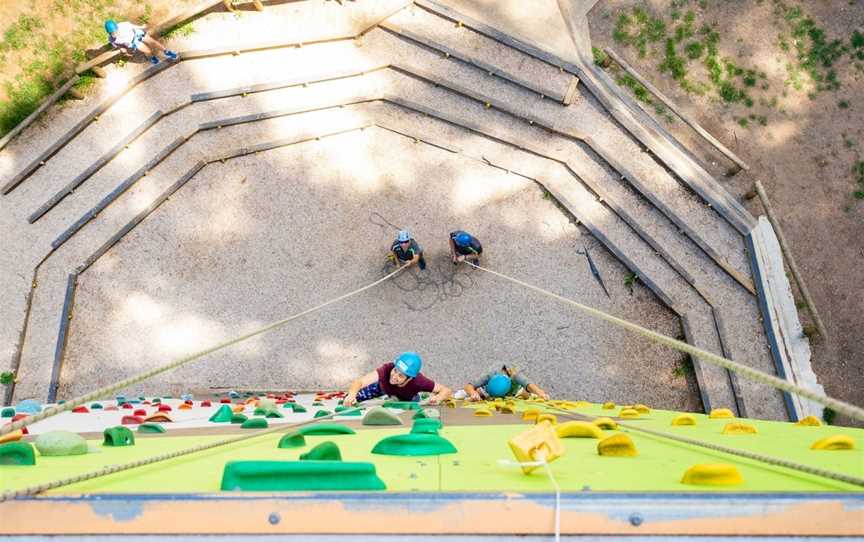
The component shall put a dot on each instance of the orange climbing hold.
(158, 418)
(13, 436)
(185, 406)
(238, 408)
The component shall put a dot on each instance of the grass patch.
(858, 172)
(684, 368)
(183, 30)
(815, 53)
(843, 104)
(600, 57)
(21, 33)
(630, 281)
(638, 30)
(828, 415)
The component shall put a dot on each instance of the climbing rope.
(101, 392)
(548, 470)
(771, 460)
(111, 469)
(839, 406)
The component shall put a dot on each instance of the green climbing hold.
(254, 423)
(96, 406)
(326, 429)
(381, 416)
(150, 428)
(119, 436)
(349, 412)
(340, 408)
(299, 476)
(259, 412)
(326, 451)
(156, 401)
(414, 444)
(426, 425)
(238, 418)
(274, 414)
(223, 415)
(58, 443)
(427, 413)
(322, 413)
(404, 405)
(17, 453)
(292, 440)
(317, 403)
(7, 412)
(298, 409)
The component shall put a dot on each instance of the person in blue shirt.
(406, 251)
(464, 246)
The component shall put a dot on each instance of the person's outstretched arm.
(357, 385)
(473, 395)
(537, 390)
(439, 393)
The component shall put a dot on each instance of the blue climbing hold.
(29, 406)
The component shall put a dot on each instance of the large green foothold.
(238, 418)
(326, 429)
(118, 436)
(414, 444)
(223, 415)
(299, 476)
(7, 412)
(426, 426)
(274, 414)
(292, 440)
(58, 443)
(322, 413)
(326, 451)
(404, 405)
(295, 407)
(254, 423)
(17, 453)
(381, 416)
(150, 428)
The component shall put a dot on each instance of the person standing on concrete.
(406, 251)
(464, 246)
(502, 382)
(129, 38)
(400, 378)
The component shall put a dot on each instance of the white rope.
(554, 482)
(72, 403)
(837, 405)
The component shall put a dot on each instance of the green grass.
(7, 377)
(20, 33)
(815, 53)
(180, 31)
(684, 368)
(858, 172)
(843, 104)
(600, 57)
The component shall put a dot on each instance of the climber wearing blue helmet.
(406, 251)
(400, 378)
(129, 38)
(502, 381)
(464, 246)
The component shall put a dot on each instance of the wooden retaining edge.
(721, 201)
(675, 109)
(740, 407)
(687, 328)
(62, 335)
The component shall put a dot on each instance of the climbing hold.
(684, 419)
(17, 453)
(96, 406)
(254, 423)
(551, 418)
(322, 413)
(641, 409)
(150, 428)
(159, 417)
(721, 413)
(317, 403)
(414, 444)
(619, 445)
(7, 412)
(426, 425)
(12, 436)
(140, 412)
(156, 401)
(237, 409)
(712, 474)
(81, 410)
(119, 436)
(58, 443)
(326, 451)
(238, 418)
(578, 429)
(609, 405)
(298, 409)
(540, 443)
(184, 406)
(449, 403)
(274, 414)
(292, 440)
(225, 401)
(326, 429)
(483, 412)
(223, 415)
(299, 476)
(629, 413)
(530, 414)
(163, 407)
(128, 406)
(206, 403)
(403, 405)
(810, 421)
(110, 408)
(380, 416)
(605, 423)
(348, 411)
(131, 420)
(29, 406)
(834, 442)
(738, 428)
(266, 405)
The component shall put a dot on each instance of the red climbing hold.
(145, 402)
(80, 409)
(127, 405)
(17, 417)
(140, 412)
(188, 402)
(225, 400)
(205, 403)
(132, 420)
(164, 408)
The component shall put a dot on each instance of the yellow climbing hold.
(684, 419)
(483, 412)
(619, 445)
(810, 421)
(739, 428)
(506, 409)
(642, 409)
(238, 408)
(834, 442)
(531, 414)
(712, 474)
(608, 405)
(551, 418)
(12, 437)
(579, 429)
(721, 413)
(629, 413)
(605, 423)
(540, 443)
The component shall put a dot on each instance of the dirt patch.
(793, 110)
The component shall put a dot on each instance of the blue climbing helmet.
(409, 363)
(110, 26)
(404, 235)
(498, 385)
(462, 239)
